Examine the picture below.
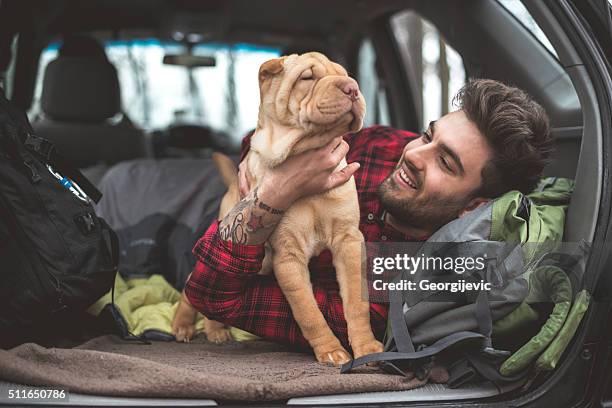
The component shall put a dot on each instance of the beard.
(421, 212)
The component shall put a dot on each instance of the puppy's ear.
(270, 68)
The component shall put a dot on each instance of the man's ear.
(474, 204)
(270, 68)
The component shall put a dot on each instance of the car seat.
(81, 107)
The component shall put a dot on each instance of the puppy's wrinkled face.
(310, 92)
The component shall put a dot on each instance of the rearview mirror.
(189, 60)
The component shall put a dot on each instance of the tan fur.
(296, 116)
(226, 168)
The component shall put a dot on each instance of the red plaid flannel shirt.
(224, 285)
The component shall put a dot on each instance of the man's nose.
(417, 156)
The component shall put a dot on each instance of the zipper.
(59, 295)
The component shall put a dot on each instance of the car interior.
(70, 113)
(81, 110)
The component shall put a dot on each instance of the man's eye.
(445, 163)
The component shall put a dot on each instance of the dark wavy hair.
(517, 129)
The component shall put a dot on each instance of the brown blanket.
(247, 371)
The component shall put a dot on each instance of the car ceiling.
(264, 22)
(333, 27)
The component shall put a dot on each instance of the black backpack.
(56, 256)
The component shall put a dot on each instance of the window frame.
(403, 111)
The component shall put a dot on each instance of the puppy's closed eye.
(307, 75)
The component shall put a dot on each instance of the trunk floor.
(426, 393)
(108, 369)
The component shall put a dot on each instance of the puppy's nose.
(351, 90)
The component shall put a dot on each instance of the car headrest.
(80, 84)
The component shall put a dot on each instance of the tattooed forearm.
(250, 222)
(234, 230)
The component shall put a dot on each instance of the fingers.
(335, 142)
(342, 176)
(340, 151)
(334, 152)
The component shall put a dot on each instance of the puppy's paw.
(369, 347)
(183, 324)
(183, 333)
(219, 336)
(336, 356)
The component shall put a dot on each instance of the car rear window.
(437, 68)
(155, 95)
(518, 10)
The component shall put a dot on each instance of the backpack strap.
(482, 309)
(485, 326)
(124, 331)
(426, 352)
(112, 243)
(399, 328)
(49, 154)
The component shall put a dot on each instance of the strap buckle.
(460, 373)
(494, 353)
(86, 222)
(43, 147)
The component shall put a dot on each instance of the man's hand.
(313, 172)
(305, 174)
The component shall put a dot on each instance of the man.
(408, 187)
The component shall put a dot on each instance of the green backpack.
(549, 281)
(527, 265)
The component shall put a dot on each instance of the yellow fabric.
(149, 304)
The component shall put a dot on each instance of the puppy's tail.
(229, 175)
(227, 169)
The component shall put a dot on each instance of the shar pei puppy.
(306, 101)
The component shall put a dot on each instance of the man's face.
(438, 174)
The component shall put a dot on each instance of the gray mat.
(247, 371)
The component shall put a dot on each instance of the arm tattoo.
(250, 222)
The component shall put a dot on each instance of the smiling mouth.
(406, 179)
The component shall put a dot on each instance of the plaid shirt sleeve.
(225, 286)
